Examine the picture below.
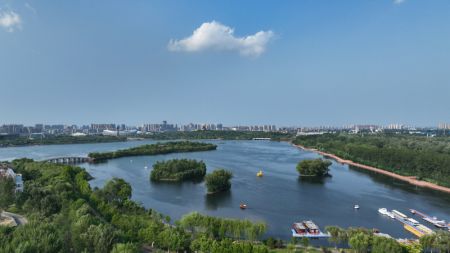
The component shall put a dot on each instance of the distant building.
(445, 126)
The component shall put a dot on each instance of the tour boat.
(243, 206)
(259, 174)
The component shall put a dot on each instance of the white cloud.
(10, 20)
(399, 1)
(216, 36)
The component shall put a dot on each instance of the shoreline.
(409, 179)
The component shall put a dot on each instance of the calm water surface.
(279, 198)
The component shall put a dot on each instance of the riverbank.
(412, 180)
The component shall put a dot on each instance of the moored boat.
(384, 211)
(243, 206)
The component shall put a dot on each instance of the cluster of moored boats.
(413, 225)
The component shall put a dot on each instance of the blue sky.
(285, 62)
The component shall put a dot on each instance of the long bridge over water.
(69, 160)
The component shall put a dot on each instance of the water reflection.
(214, 201)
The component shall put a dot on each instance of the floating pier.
(307, 229)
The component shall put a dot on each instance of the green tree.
(7, 196)
(315, 167)
(116, 191)
(385, 245)
(218, 181)
(125, 248)
(360, 242)
(305, 242)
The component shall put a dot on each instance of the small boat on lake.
(243, 206)
(356, 207)
(260, 173)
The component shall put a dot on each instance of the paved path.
(20, 220)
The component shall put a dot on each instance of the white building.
(8, 172)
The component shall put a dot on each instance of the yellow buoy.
(259, 174)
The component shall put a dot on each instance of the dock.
(411, 225)
(432, 220)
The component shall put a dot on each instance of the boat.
(432, 220)
(424, 229)
(260, 173)
(413, 230)
(307, 229)
(384, 211)
(401, 215)
(413, 221)
(356, 207)
(243, 206)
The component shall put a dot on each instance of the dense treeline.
(66, 215)
(58, 139)
(155, 149)
(218, 181)
(224, 135)
(222, 228)
(363, 240)
(178, 170)
(313, 167)
(426, 158)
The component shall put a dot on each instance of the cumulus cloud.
(398, 1)
(10, 20)
(216, 36)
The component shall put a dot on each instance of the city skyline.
(303, 63)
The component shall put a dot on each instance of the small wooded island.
(313, 168)
(155, 149)
(178, 170)
(218, 181)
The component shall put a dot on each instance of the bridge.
(69, 160)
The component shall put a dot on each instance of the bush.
(218, 181)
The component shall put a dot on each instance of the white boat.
(384, 211)
(401, 215)
(356, 207)
(413, 221)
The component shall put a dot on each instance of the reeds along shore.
(411, 180)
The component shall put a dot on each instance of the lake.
(279, 197)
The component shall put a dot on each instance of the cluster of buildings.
(7, 172)
(444, 126)
(41, 130)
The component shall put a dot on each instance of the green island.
(155, 149)
(409, 155)
(218, 181)
(66, 215)
(58, 139)
(178, 170)
(313, 167)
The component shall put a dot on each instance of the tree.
(116, 191)
(7, 187)
(385, 245)
(360, 242)
(218, 181)
(336, 234)
(428, 241)
(125, 248)
(316, 167)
